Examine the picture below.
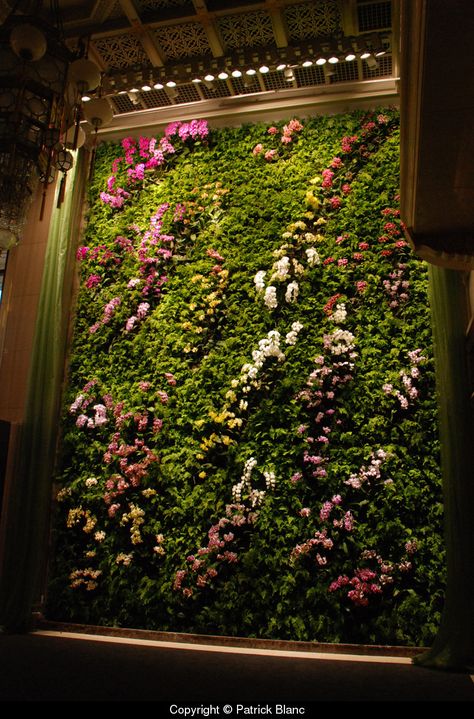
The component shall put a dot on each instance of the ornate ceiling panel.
(162, 48)
(251, 29)
(183, 41)
(307, 20)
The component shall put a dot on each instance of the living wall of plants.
(249, 438)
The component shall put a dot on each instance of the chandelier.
(41, 85)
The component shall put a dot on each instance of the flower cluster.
(409, 392)
(142, 158)
(86, 578)
(208, 292)
(284, 137)
(362, 586)
(244, 491)
(205, 565)
(368, 474)
(134, 517)
(369, 582)
(396, 286)
(334, 369)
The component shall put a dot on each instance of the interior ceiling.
(139, 43)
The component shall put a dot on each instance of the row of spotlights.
(263, 69)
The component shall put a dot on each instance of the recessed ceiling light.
(223, 75)
(171, 83)
(158, 86)
(209, 77)
(236, 73)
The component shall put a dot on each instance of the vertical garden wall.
(249, 440)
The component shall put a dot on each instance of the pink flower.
(296, 477)
(361, 286)
(342, 262)
(81, 253)
(285, 139)
(346, 188)
(270, 155)
(305, 512)
(257, 149)
(157, 425)
(272, 130)
(130, 323)
(170, 378)
(335, 202)
(336, 162)
(325, 511)
(295, 125)
(358, 256)
(363, 245)
(327, 178)
(163, 397)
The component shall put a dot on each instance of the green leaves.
(206, 324)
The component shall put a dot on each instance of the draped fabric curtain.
(454, 645)
(25, 517)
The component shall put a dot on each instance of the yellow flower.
(202, 475)
(311, 200)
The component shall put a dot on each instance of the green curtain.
(454, 644)
(28, 500)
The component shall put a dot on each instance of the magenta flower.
(93, 281)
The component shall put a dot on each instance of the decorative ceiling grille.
(307, 76)
(345, 72)
(155, 98)
(374, 16)
(249, 30)
(219, 90)
(384, 68)
(120, 51)
(313, 19)
(186, 40)
(244, 87)
(122, 104)
(275, 81)
(188, 93)
(116, 12)
(150, 5)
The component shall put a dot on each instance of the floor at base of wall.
(63, 666)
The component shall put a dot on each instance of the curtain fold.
(454, 645)
(28, 499)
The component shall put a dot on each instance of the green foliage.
(218, 478)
